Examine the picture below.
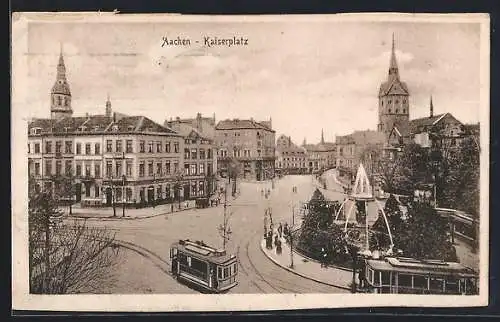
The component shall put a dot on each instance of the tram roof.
(201, 250)
(415, 266)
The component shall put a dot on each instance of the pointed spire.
(322, 137)
(61, 68)
(393, 67)
(304, 142)
(431, 108)
(108, 106)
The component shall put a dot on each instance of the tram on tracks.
(400, 275)
(206, 267)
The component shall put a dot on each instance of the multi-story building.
(290, 158)
(204, 125)
(320, 156)
(111, 157)
(200, 157)
(249, 143)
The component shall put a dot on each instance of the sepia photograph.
(222, 163)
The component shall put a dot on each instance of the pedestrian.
(271, 227)
(172, 207)
(277, 243)
(285, 229)
(280, 230)
(323, 257)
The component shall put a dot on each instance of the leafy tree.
(234, 169)
(178, 180)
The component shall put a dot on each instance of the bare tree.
(178, 180)
(70, 257)
(234, 169)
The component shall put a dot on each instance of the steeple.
(393, 66)
(108, 107)
(322, 137)
(60, 95)
(431, 108)
(304, 142)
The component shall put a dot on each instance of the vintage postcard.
(225, 163)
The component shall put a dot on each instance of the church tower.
(109, 111)
(393, 100)
(60, 95)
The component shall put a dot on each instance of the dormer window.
(96, 128)
(114, 128)
(130, 128)
(66, 129)
(82, 129)
(36, 131)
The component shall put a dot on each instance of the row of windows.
(193, 154)
(390, 102)
(237, 153)
(191, 169)
(397, 110)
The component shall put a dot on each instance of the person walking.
(280, 230)
(323, 257)
(277, 243)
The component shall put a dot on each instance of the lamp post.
(224, 229)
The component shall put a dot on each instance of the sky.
(305, 76)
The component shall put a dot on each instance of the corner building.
(250, 143)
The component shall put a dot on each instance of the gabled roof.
(237, 124)
(420, 124)
(393, 87)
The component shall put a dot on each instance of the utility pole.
(123, 185)
(224, 229)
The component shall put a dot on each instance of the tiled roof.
(99, 124)
(321, 147)
(419, 124)
(237, 124)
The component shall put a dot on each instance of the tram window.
(235, 269)
(219, 272)
(189, 261)
(386, 278)
(226, 271)
(436, 283)
(452, 284)
(198, 265)
(420, 282)
(369, 276)
(377, 278)
(404, 280)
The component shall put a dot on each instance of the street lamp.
(224, 229)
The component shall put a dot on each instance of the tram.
(412, 276)
(204, 266)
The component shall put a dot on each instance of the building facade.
(320, 156)
(249, 144)
(290, 158)
(200, 160)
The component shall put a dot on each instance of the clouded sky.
(304, 75)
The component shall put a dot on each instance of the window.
(87, 148)
(397, 101)
(186, 169)
(97, 170)
(118, 169)
(58, 167)
(78, 169)
(48, 147)
(109, 146)
(194, 154)
(129, 194)
(150, 168)
(186, 154)
(97, 148)
(141, 169)
(59, 146)
(158, 193)
(201, 188)
(382, 103)
(404, 111)
(202, 154)
(202, 168)
(129, 168)
(176, 147)
(187, 141)
(193, 188)
(158, 147)
(87, 170)
(150, 147)
(167, 167)
(209, 153)
(141, 146)
(109, 168)
(192, 169)
(37, 169)
(96, 189)
(48, 167)
(167, 147)
(404, 100)
(158, 169)
(129, 146)
(37, 147)
(390, 101)
(397, 110)
(176, 167)
(78, 148)
(118, 145)
(390, 111)
(67, 168)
